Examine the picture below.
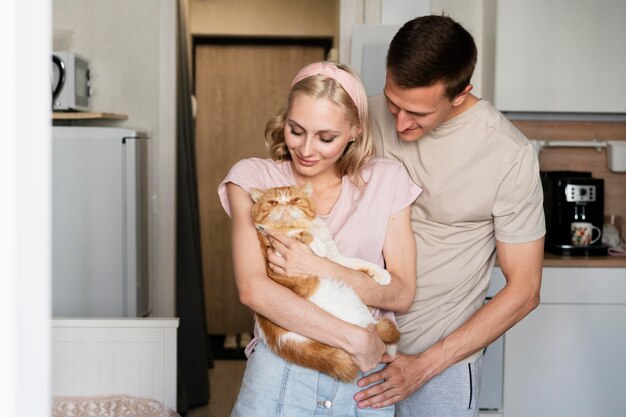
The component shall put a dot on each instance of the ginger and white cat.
(291, 211)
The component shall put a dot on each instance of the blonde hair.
(358, 152)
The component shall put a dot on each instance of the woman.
(322, 137)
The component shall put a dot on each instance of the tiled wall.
(582, 159)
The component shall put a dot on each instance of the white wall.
(132, 49)
(25, 210)
(399, 11)
(477, 16)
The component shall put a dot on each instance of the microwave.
(71, 82)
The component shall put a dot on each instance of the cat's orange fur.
(291, 211)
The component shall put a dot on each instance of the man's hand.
(401, 377)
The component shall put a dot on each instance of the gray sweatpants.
(452, 393)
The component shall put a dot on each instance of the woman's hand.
(290, 257)
(366, 348)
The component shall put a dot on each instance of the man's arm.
(521, 264)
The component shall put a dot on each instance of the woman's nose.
(307, 147)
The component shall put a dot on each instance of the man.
(482, 196)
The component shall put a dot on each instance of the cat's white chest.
(339, 299)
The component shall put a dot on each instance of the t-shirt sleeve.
(247, 173)
(406, 190)
(518, 207)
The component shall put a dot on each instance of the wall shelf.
(87, 116)
(616, 150)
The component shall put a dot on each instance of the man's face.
(418, 110)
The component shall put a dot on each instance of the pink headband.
(347, 81)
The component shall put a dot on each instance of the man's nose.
(403, 121)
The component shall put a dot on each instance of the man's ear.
(460, 98)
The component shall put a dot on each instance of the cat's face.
(285, 205)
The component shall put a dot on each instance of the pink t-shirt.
(358, 220)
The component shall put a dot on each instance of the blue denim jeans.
(273, 387)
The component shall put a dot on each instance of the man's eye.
(392, 107)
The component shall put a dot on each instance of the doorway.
(239, 84)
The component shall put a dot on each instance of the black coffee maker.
(572, 196)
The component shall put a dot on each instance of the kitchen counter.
(552, 260)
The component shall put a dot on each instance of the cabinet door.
(567, 360)
(560, 56)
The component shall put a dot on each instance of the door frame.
(325, 42)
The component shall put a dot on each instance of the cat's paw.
(303, 236)
(379, 275)
(319, 248)
(391, 350)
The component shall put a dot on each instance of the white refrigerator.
(99, 222)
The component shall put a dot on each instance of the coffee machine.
(572, 196)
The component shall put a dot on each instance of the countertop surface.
(560, 261)
(552, 260)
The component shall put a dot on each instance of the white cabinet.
(568, 357)
(560, 56)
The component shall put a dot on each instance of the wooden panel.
(582, 159)
(566, 130)
(238, 88)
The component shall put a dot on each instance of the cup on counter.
(582, 233)
(612, 231)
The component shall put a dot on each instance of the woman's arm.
(281, 305)
(400, 259)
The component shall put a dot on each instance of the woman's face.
(316, 134)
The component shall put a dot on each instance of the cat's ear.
(256, 194)
(307, 189)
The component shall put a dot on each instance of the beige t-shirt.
(481, 182)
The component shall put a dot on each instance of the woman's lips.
(305, 162)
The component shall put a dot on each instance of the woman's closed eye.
(323, 138)
(327, 139)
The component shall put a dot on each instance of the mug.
(582, 233)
